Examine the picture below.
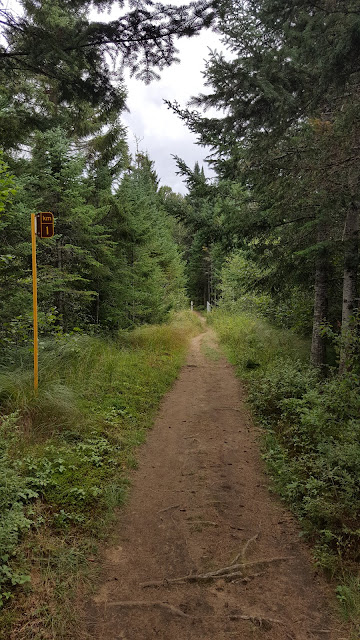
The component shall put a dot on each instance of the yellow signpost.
(42, 224)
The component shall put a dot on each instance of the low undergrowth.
(64, 463)
(312, 440)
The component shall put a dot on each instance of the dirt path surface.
(205, 552)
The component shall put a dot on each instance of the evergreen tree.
(54, 180)
(54, 44)
(152, 277)
(284, 106)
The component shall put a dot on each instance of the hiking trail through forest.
(204, 550)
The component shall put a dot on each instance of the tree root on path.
(260, 621)
(245, 548)
(233, 572)
(225, 573)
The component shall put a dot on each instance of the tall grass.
(66, 452)
(252, 343)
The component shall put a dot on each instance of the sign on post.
(45, 224)
(42, 225)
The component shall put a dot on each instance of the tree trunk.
(318, 345)
(351, 261)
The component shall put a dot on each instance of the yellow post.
(35, 318)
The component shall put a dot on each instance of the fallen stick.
(260, 621)
(173, 506)
(224, 572)
(244, 549)
(204, 577)
(132, 604)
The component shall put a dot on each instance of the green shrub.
(15, 493)
(312, 433)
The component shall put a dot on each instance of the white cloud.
(161, 132)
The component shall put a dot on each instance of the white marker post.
(191, 306)
(208, 307)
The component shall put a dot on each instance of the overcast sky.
(161, 132)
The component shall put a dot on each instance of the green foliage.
(348, 595)
(239, 276)
(55, 44)
(15, 492)
(252, 340)
(149, 273)
(240, 286)
(113, 262)
(7, 189)
(312, 435)
(283, 123)
(66, 452)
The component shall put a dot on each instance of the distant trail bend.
(205, 551)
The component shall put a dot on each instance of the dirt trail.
(200, 504)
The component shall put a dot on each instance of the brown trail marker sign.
(42, 225)
(45, 224)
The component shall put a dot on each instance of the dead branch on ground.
(245, 548)
(225, 573)
(260, 621)
(173, 506)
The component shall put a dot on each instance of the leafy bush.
(315, 453)
(15, 492)
(248, 339)
(244, 287)
(312, 432)
(294, 309)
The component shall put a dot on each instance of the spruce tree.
(54, 44)
(293, 68)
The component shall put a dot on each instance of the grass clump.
(65, 457)
(312, 439)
